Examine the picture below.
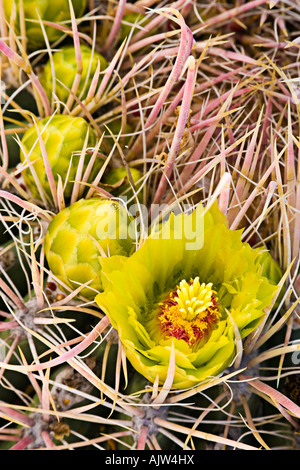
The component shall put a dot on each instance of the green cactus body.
(65, 66)
(64, 138)
(80, 234)
(11, 142)
(57, 11)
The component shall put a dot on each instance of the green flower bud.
(115, 128)
(192, 284)
(130, 18)
(135, 21)
(80, 235)
(65, 66)
(64, 138)
(57, 11)
(118, 184)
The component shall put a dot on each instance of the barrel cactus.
(149, 227)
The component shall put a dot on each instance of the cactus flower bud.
(192, 295)
(64, 138)
(133, 21)
(65, 67)
(57, 11)
(79, 235)
(118, 183)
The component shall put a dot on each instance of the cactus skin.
(73, 238)
(12, 144)
(65, 66)
(62, 136)
(48, 10)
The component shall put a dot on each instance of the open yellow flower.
(190, 292)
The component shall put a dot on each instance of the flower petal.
(135, 287)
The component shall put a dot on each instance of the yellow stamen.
(192, 314)
(194, 298)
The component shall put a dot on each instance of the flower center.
(190, 312)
